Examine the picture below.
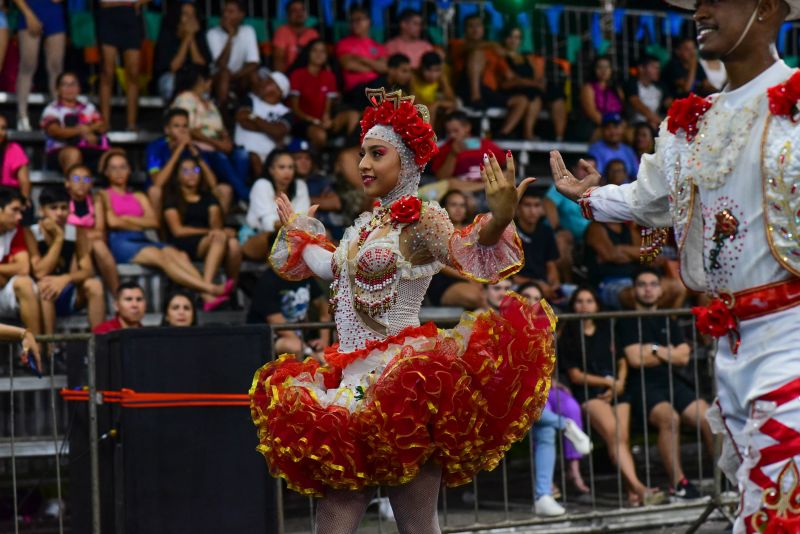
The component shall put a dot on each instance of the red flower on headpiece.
(405, 209)
(403, 118)
(685, 113)
(783, 97)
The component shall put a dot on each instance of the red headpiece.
(411, 122)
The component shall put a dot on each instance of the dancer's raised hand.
(565, 181)
(286, 210)
(502, 195)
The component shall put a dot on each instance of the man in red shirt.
(18, 293)
(130, 305)
(291, 37)
(362, 59)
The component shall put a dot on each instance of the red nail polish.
(508, 153)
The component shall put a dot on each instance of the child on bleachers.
(86, 213)
(128, 214)
(195, 225)
(61, 262)
(14, 169)
(432, 88)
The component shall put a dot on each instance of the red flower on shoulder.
(405, 210)
(685, 113)
(783, 97)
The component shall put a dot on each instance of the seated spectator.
(460, 157)
(128, 215)
(195, 226)
(234, 51)
(409, 41)
(181, 41)
(129, 305)
(291, 37)
(314, 89)
(320, 188)
(398, 75)
(449, 287)
(599, 384)
(601, 96)
(179, 309)
(120, 32)
(566, 220)
(561, 402)
(61, 262)
(532, 85)
(612, 146)
(683, 73)
(163, 155)
(653, 357)
(432, 88)
(611, 257)
(361, 58)
(74, 129)
(18, 292)
(86, 213)
(40, 19)
(263, 120)
(644, 140)
(262, 215)
(206, 128)
(644, 94)
(277, 301)
(14, 170)
(539, 245)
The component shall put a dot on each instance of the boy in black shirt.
(538, 243)
(652, 355)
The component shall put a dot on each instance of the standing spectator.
(683, 74)
(432, 88)
(532, 85)
(181, 41)
(130, 305)
(599, 384)
(86, 213)
(62, 264)
(644, 140)
(14, 170)
(196, 227)
(207, 129)
(18, 293)
(612, 146)
(449, 287)
(40, 18)
(539, 245)
(292, 36)
(179, 309)
(262, 215)
(74, 130)
(263, 121)
(128, 215)
(362, 59)
(163, 154)
(120, 31)
(460, 157)
(234, 49)
(314, 89)
(669, 402)
(601, 96)
(409, 41)
(644, 93)
(398, 75)
(320, 188)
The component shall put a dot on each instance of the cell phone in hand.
(32, 365)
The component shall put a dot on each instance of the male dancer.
(725, 175)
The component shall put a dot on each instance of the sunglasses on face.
(78, 179)
(190, 170)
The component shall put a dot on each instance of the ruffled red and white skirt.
(461, 397)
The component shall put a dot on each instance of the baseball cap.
(611, 118)
(278, 77)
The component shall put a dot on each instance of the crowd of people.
(240, 128)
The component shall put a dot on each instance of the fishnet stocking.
(340, 511)
(415, 504)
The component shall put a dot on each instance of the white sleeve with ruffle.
(302, 250)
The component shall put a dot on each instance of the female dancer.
(399, 404)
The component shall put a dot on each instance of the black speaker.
(175, 469)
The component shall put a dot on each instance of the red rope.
(129, 398)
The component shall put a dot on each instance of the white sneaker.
(547, 506)
(384, 508)
(23, 124)
(577, 437)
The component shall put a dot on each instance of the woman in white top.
(262, 215)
